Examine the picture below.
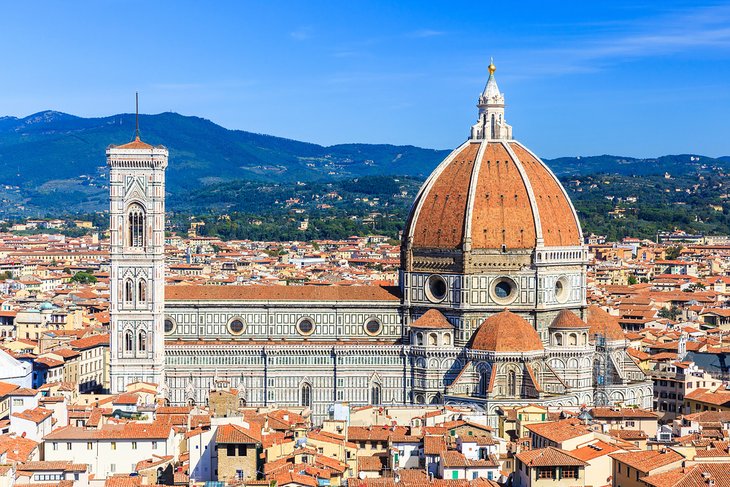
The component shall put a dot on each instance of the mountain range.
(52, 160)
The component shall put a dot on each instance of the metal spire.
(136, 115)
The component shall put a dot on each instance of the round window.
(305, 327)
(169, 326)
(436, 288)
(561, 290)
(373, 327)
(504, 290)
(236, 326)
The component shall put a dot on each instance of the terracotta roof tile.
(559, 431)
(432, 319)
(602, 323)
(549, 457)
(559, 225)
(506, 332)
(648, 460)
(123, 481)
(135, 144)
(568, 319)
(594, 450)
(233, 433)
(440, 223)
(434, 444)
(282, 293)
(502, 214)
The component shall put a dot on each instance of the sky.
(636, 78)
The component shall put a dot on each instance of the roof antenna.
(136, 115)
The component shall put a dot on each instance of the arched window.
(419, 339)
(306, 395)
(573, 339)
(128, 341)
(142, 291)
(128, 291)
(559, 339)
(583, 338)
(142, 341)
(135, 226)
(512, 383)
(432, 339)
(483, 383)
(493, 127)
(447, 339)
(375, 393)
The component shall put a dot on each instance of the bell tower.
(137, 244)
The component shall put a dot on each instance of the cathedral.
(490, 310)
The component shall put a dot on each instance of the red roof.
(432, 319)
(282, 293)
(506, 332)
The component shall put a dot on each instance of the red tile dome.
(492, 194)
(567, 319)
(506, 332)
(602, 323)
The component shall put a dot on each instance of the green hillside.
(52, 162)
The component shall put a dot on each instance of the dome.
(506, 332)
(567, 319)
(491, 193)
(602, 323)
(432, 319)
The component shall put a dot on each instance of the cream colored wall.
(599, 471)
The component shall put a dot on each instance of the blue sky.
(581, 78)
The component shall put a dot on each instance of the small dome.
(432, 319)
(567, 319)
(602, 323)
(46, 305)
(506, 332)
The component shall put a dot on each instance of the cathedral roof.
(568, 319)
(602, 323)
(506, 332)
(282, 293)
(432, 319)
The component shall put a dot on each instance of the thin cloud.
(706, 28)
(302, 33)
(423, 33)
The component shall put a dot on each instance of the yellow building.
(631, 467)
(548, 467)
(513, 422)
(716, 399)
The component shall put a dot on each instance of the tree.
(673, 252)
(83, 278)
(632, 280)
(670, 313)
